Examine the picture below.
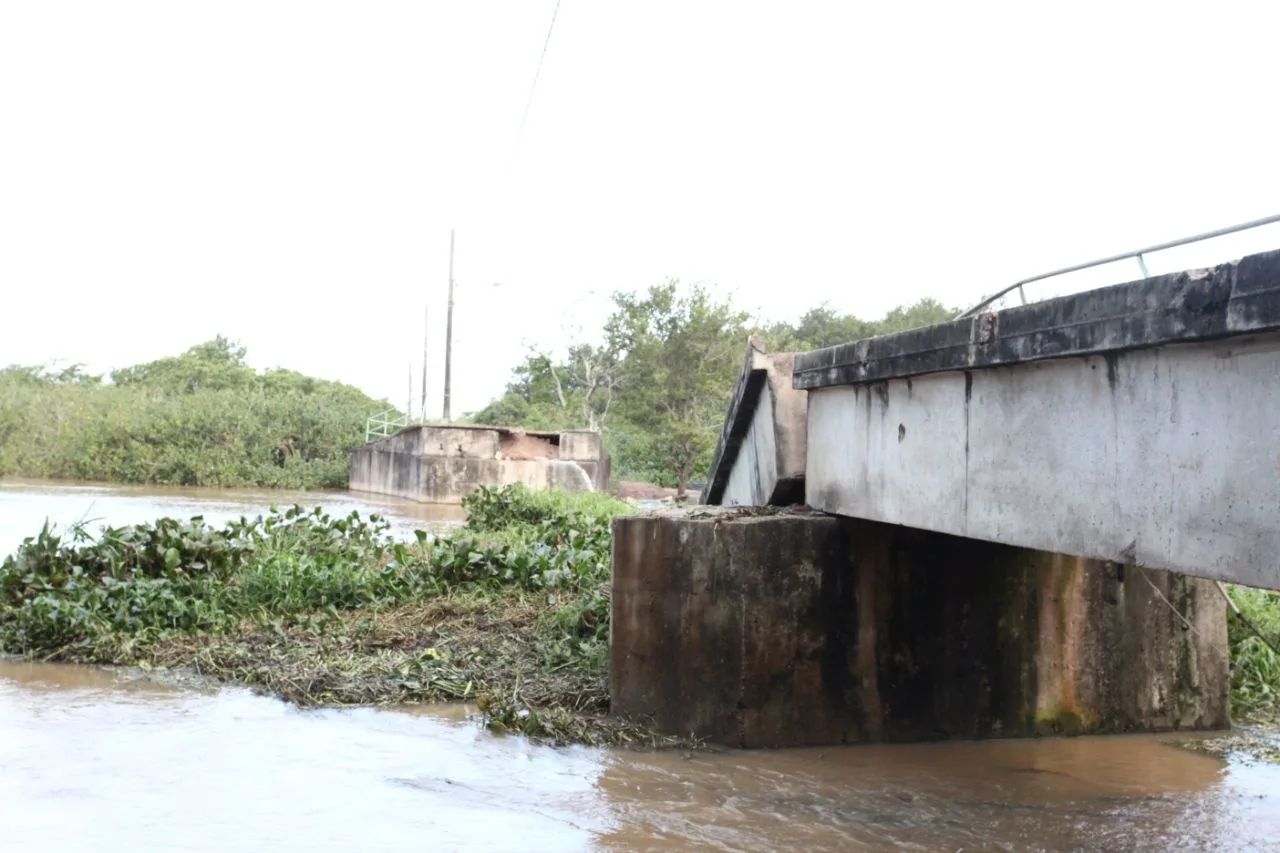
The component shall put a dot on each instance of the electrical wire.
(536, 74)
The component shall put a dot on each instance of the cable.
(536, 75)
(1222, 588)
(1176, 612)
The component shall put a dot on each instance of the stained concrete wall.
(1165, 457)
(1138, 423)
(444, 464)
(760, 457)
(796, 628)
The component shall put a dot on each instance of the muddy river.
(99, 761)
(25, 504)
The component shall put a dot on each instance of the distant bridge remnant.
(443, 464)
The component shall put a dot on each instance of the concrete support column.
(796, 628)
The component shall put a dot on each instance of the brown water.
(25, 504)
(97, 761)
(94, 761)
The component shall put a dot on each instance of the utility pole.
(448, 336)
(426, 319)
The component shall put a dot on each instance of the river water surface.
(26, 504)
(99, 761)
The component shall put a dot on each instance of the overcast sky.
(286, 173)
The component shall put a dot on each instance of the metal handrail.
(382, 425)
(1138, 253)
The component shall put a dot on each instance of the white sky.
(286, 173)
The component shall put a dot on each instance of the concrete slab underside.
(794, 629)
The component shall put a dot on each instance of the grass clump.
(1255, 679)
(510, 611)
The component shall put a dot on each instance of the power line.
(536, 74)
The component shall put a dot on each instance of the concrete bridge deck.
(1138, 423)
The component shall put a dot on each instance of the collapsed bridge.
(1015, 521)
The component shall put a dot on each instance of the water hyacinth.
(511, 611)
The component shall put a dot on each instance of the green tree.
(659, 383)
(544, 393)
(681, 352)
(212, 365)
(818, 327)
(823, 327)
(926, 312)
(508, 410)
(200, 418)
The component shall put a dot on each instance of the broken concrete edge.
(1237, 298)
(725, 513)
(512, 430)
(737, 422)
(790, 431)
(761, 370)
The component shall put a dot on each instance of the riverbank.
(491, 650)
(509, 612)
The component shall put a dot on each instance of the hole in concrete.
(902, 432)
(517, 445)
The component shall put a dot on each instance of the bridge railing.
(383, 424)
(1138, 254)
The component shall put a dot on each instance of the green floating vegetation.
(510, 611)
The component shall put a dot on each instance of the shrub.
(1255, 681)
(202, 418)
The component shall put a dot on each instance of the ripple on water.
(91, 760)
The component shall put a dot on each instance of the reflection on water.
(25, 504)
(94, 761)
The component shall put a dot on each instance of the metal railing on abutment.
(1138, 254)
(384, 424)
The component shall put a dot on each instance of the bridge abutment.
(784, 628)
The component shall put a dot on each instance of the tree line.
(659, 380)
(201, 418)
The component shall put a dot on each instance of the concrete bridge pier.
(767, 628)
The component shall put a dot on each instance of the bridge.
(1009, 524)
